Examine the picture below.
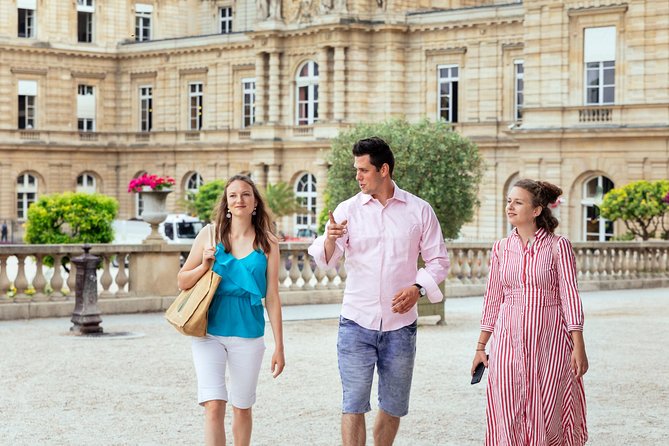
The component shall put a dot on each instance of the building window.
(305, 191)
(519, 83)
(448, 92)
(193, 185)
(26, 193)
(248, 102)
(145, 108)
(86, 183)
(195, 106)
(139, 200)
(595, 227)
(143, 22)
(86, 108)
(85, 9)
(600, 65)
(307, 94)
(26, 15)
(225, 16)
(27, 104)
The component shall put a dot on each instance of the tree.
(280, 198)
(206, 198)
(431, 161)
(639, 205)
(71, 218)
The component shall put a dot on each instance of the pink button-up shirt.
(382, 246)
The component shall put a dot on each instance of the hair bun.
(549, 191)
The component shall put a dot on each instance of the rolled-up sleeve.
(494, 292)
(572, 307)
(317, 248)
(433, 251)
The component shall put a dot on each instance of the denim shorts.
(359, 350)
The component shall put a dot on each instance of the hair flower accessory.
(153, 181)
(556, 203)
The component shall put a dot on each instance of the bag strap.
(212, 231)
(554, 247)
(500, 250)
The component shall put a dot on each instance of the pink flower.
(153, 181)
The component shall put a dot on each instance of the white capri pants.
(243, 357)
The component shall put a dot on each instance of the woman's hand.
(208, 255)
(479, 357)
(278, 363)
(579, 362)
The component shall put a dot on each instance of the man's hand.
(336, 230)
(405, 299)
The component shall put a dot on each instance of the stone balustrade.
(143, 277)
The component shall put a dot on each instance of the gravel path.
(57, 389)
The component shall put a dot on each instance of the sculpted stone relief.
(298, 11)
(268, 9)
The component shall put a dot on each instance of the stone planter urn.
(154, 212)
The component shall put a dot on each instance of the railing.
(595, 114)
(136, 271)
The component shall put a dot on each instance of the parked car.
(302, 235)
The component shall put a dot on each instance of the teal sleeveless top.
(236, 309)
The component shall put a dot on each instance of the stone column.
(273, 174)
(274, 87)
(321, 175)
(323, 85)
(86, 315)
(260, 88)
(259, 176)
(339, 83)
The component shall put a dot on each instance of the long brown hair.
(262, 221)
(543, 193)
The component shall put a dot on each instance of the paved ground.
(57, 389)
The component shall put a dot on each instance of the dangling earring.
(254, 212)
(228, 214)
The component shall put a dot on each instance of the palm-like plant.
(281, 200)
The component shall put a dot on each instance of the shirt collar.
(539, 235)
(398, 194)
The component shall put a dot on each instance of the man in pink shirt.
(381, 230)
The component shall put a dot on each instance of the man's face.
(369, 179)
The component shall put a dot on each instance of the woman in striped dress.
(533, 318)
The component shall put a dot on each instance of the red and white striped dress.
(530, 306)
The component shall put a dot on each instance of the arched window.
(86, 183)
(305, 191)
(595, 227)
(193, 184)
(26, 193)
(307, 94)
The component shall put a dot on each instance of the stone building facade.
(94, 93)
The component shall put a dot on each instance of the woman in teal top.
(246, 256)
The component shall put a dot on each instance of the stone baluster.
(641, 262)
(71, 278)
(331, 273)
(21, 282)
(580, 264)
(607, 272)
(57, 279)
(633, 263)
(587, 275)
(106, 278)
(307, 272)
(319, 274)
(39, 281)
(465, 258)
(618, 261)
(655, 254)
(121, 276)
(283, 272)
(342, 274)
(665, 261)
(294, 273)
(4, 281)
(476, 265)
(454, 276)
(598, 264)
(485, 268)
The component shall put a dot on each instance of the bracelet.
(480, 349)
(482, 343)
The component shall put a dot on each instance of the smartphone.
(478, 373)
